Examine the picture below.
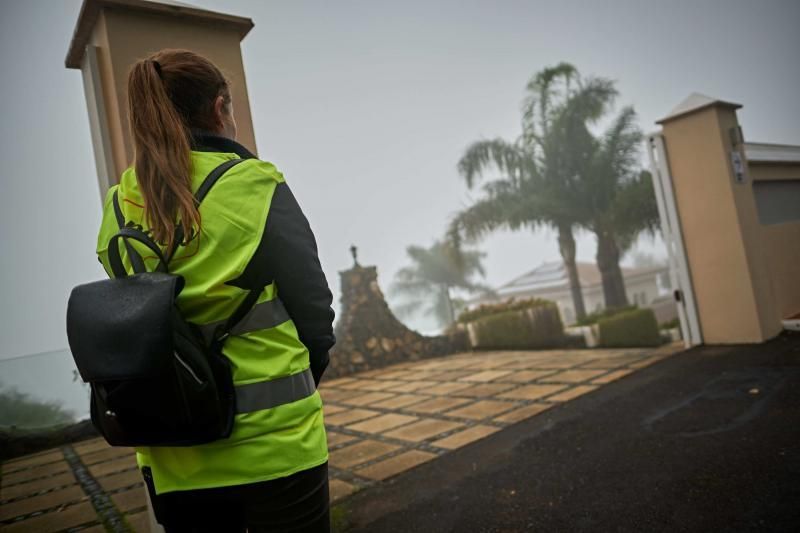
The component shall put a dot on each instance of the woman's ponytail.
(168, 94)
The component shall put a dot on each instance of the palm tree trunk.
(610, 271)
(450, 309)
(566, 245)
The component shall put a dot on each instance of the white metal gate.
(673, 238)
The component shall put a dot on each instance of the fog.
(367, 107)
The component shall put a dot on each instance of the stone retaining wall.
(369, 336)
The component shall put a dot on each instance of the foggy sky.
(366, 107)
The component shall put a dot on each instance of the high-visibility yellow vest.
(267, 358)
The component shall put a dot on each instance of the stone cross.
(354, 251)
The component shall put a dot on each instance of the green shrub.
(537, 326)
(18, 409)
(674, 323)
(594, 318)
(486, 310)
(635, 327)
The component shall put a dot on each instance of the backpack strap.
(125, 233)
(115, 260)
(223, 331)
(201, 193)
(136, 260)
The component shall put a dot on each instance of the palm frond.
(507, 158)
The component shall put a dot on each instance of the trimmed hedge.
(635, 327)
(594, 318)
(537, 326)
(486, 310)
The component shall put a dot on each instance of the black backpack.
(155, 380)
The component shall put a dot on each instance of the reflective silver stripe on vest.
(262, 316)
(275, 392)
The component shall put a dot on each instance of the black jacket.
(287, 255)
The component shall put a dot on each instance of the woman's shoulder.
(249, 170)
(258, 169)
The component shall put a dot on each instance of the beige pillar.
(111, 35)
(714, 197)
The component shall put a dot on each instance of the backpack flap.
(122, 328)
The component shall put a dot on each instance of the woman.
(248, 234)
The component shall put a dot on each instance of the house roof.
(552, 276)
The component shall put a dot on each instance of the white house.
(645, 287)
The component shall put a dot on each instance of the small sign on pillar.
(739, 174)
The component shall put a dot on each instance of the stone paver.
(486, 389)
(98, 456)
(527, 376)
(122, 479)
(368, 398)
(395, 465)
(360, 453)
(423, 430)
(350, 416)
(110, 467)
(486, 375)
(41, 502)
(332, 409)
(482, 409)
(21, 476)
(329, 395)
(646, 362)
(572, 393)
(447, 388)
(612, 376)
(463, 438)
(522, 413)
(90, 445)
(33, 460)
(411, 386)
(339, 489)
(31, 488)
(335, 439)
(532, 392)
(338, 382)
(401, 400)
(437, 405)
(71, 516)
(139, 521)
(574, 376)
(380, 424)
(130, 500)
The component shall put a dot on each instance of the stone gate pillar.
(110, 35)
(739, 208)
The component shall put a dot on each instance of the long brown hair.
(170, 93)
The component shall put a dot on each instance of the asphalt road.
(706, 440)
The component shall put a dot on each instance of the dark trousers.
(297, 503)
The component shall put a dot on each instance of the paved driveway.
(380, 423)
(706, 440)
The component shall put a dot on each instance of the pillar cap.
(695, 102)
(91, 9)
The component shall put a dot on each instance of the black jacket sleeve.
(288, 255)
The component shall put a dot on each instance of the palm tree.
(540, 171)
(428, 283)
(620, 198)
